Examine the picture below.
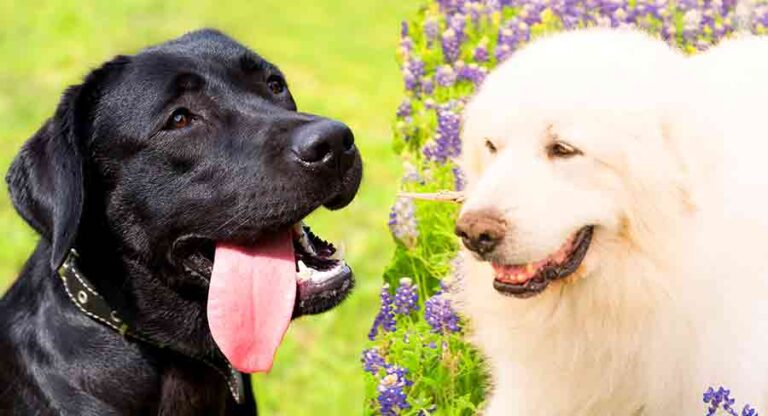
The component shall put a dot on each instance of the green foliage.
(445, 375)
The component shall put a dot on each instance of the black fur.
(107, 176)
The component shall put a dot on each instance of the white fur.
(671, 296)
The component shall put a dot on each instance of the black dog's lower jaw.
(324, 278)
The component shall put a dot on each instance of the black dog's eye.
(490, 146)
(561, 150)
(276, 84)
(180, 118)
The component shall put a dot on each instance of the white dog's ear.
(694, 145)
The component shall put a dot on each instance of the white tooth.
(303, 275)
(304, 271)
(304, 240)
(529, 268)
(307, 245)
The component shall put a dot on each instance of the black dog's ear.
(46, 180)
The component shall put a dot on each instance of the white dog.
(606, 272)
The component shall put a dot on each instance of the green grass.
(339, 59)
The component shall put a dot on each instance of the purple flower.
(431, 30)
(446, 5)
(692, 20)
(411, 174)
(503, 51)
(506, 36)
(496, 5)
(372, 360)
(451, 45)
(385, 319)
(457, 23)
(531, 12)
(511, 34)
(406, 297)
(668, 31)
(475, 11)
(748, 411)
(440, 315)
(446, 144)
(471, 72)
(721, 399)
(406, 46)
(416, 67)
(653, 8)
(427, 85)
(687, 4)
(761, 15)
(480, 53)
(451, 6)
(405, 109)
(410, 81)
(459, 181)
(392, 398)
(445, 76)
(569, 11)
(402, 221)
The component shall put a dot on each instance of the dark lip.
(549, 273)
(317, 297)
(314, 298)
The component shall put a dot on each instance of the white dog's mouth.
(526, 280)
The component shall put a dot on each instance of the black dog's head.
(159, 161)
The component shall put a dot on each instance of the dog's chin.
(323, 278)
(530, 279)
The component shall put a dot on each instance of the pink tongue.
(250, 300)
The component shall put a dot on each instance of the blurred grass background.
(339, 59)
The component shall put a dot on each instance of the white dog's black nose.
(325, 144)
(481, 231)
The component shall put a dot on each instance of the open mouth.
(527, 280)
(254, 291)
(323, 277)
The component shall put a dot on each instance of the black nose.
(325, 144)
(481, 231)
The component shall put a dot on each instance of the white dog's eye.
(491, 147)
(562, 150)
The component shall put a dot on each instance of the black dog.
(155, 166)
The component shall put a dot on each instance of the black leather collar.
(82, 293)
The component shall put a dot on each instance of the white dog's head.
(578, 148)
